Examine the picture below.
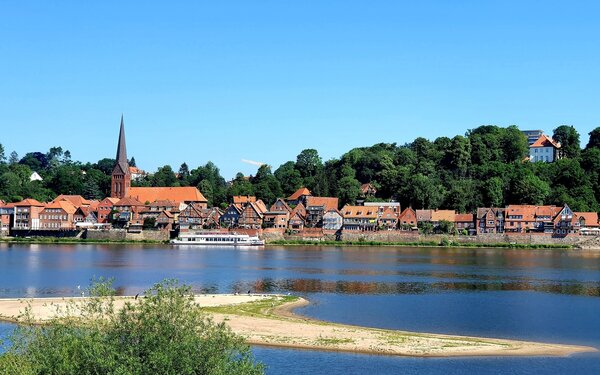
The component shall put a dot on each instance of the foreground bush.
(163, 332)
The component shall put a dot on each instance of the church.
(121, 183)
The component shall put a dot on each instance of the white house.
(545, 149)
(332, 220)
(35, 177)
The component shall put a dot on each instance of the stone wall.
(123, 235)
(415, 237)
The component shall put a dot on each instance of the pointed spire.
(122, 149)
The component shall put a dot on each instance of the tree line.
(485, 167)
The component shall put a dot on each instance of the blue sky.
(262, 80)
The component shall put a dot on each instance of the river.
(541, 295)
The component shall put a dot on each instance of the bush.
(163, 332)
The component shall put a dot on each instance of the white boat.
(217, 239)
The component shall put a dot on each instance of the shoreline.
(431, 244)
(270, 320)
(296, 243)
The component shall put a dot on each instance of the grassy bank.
(71, 240)
(443, 243)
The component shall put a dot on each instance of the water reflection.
(358, 287)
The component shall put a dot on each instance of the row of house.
(184, 208)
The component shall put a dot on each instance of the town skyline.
(247, 166)
(239, 74)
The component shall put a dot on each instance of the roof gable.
(299, 193)
(328, 203)
(545, 141)
(176, 194)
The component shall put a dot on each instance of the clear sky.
(262, 80)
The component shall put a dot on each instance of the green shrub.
(163, 332)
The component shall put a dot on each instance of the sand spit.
(268, 320)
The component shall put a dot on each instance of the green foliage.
(266, 185)
(485, 167)
(164, 177)
(568, 138)
(165, 332)
(289, 178)
(149, 223)
(594, 141)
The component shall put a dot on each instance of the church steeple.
(121, 177)
(122, 149)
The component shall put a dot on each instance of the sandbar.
(268, 320)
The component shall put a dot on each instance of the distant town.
(173, 209)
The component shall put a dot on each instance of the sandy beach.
(269, 320)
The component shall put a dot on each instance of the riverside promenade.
(265, 319)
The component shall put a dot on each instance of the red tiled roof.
(29, 202)
(177, 194)
(282, 202)
(446, 215)
(300, 209)
(163, 203)
(65, 205)
(424, 215)
(545, 141)
(299, 193)
(129, 201)
(261, 206)
(591, 218)
(364, 188)
(389, 212)
(330, 203)
(463, 218)
(110, 200)
(359, 212)
(241, 199)
(76, 200)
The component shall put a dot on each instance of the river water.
(541, 295)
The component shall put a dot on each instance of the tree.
(208, 177)
(149, 223)
(2, 155)
(308, 162)
(266, 186)
(164, 177)
(65, 179)
(184, 172)
(132, 162)
(348, 186)
(423, 192)
(240, 186)
(37, 161)
(106, 165)
(91, 190)
(594, 139)
(569, 140)
(165, 332)
(14, 158)
(289, 178)
(514, 144)
(493, 192)
(527, 188)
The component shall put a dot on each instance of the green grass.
(260, 308)
(70, 240)
(325, 341)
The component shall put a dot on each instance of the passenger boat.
(217, 239)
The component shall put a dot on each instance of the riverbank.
(448, 243)
(269, 320)
(73, 240)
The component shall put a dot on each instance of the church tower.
(121, 177)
